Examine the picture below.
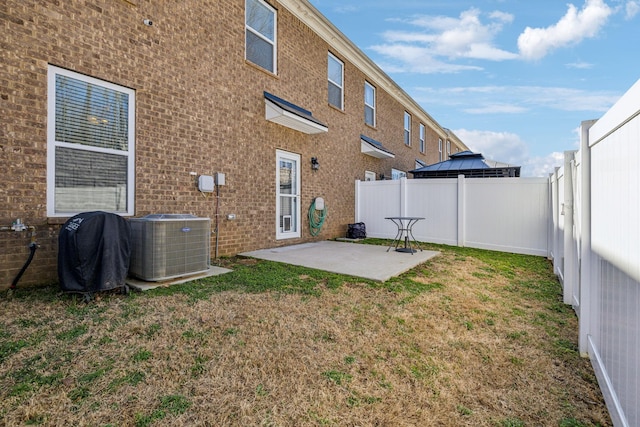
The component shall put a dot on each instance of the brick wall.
(199, 109)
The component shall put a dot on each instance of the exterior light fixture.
(314, 163)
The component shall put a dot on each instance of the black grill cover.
(94, 249)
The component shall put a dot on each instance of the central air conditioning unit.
(166, 246)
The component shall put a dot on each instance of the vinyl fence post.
(569, 253)
(588, 309)
(551, 230)
(403, 196)
(557, 258)
(357, 202)
(461, 210)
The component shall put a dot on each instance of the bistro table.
(405, 225)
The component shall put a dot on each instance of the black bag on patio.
(356, 231)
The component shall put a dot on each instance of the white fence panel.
(508, 214)
(616, 198)
(437, 201)
(610, 297)
(376, 200)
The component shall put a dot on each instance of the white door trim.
(288, 224)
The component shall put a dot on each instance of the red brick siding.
(199, 108)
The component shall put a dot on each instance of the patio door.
(287, 195)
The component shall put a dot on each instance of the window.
(336, 81)
(90, 145)
(407, 128)
(288, 195)
(397, 174)
(440, 149)
(448, 148)
(369, 104)
(422, 144)
(260, 33)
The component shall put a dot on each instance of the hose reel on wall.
(317, 216)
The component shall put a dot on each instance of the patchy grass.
(471, 337)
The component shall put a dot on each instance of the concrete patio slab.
(368, 261)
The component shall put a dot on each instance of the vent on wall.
(166, 246)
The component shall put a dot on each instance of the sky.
(513, 79)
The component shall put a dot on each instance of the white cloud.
(346, 9)
(441, 38)
(415, 59)
(509, 148)
(542, 166)
(502, 147)
(631, 9)
(579, 65)
(496, 109)
(519, 99)
(572, 28)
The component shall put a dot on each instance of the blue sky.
(512, 78)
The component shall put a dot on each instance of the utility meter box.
(205, 183)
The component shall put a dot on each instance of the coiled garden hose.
(316, 218)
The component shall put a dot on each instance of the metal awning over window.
(284, 113)
(373, 148)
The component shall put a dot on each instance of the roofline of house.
(453, 137)
(309, 15)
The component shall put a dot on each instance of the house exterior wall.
(199, 110)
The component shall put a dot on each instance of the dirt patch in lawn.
(469, 338)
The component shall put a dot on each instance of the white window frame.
(448, 149)
(407, 128)
(258, 34)
(422, 141)
(52, 143)
(296, 233)
(440, 149)
(371, 106)
(340, 84)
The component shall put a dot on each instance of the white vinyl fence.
(505, 214)
(600, 250)
(586, 217)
